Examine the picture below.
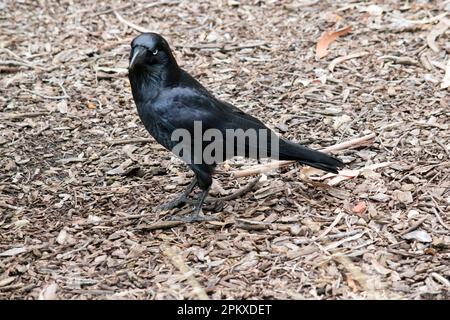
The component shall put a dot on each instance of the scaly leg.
(181, 198)
(197, 215)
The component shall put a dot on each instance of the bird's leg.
(197, 215)
(181, 198)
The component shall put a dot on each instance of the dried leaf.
(91, 105)
(122, 169)
(339, 60)
(62, 236)
(13, 252)
(6, 281)
(374, 10)
(340, 121)
(379, 268)
(327, 38)
(403, 196)
(352, 283)
(419, 235)
(62, 106)
(49, 292)
(360, 207)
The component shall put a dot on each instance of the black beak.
(137, 51)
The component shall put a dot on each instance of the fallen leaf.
(430, 251)
(21, 223)
(339, 60)
(292, 254)
(65, 56)
(403, 196)
(327, 38)
(340, 121)
(380, 197)
(307, 172)
(374, 10)
(49, 292)
(62, 106)
(13, 252)
(413, 214)
(352, 283)
(62, 236)
(121, 169)
(295, 229)
(332, 17)
(6, 281)
(379, 268)
(93, 219)
(419, 235)
(360, 208)
(100, 259)
(346, 174)
(443, 280)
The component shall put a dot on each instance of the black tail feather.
(292, 151)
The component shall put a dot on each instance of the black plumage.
(168, 98)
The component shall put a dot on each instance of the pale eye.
(155, 52)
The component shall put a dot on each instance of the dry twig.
(358, 142)
(176, 260)
(131, 24)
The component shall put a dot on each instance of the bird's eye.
(155, 52)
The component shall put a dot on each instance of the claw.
(197, 216)
(182, 198)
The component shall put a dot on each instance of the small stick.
(8, 206)
(155, 4)
(65, 96)
(248, 187)
(10, 69)
(128, 141)
(436, 213)
(160, 225)
(331, 226)
(245, 46)
(22, 115)
(443, 147)
(180, 265)
(441, 279)
(84, 246)
(261, 168)
(339, 60)
(358, 142)
(414, 226)
(110, 10)
(21, 61)
(15, 63)
(130, 24)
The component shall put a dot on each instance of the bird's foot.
(174, 203)
(195, 217)
(182, 198)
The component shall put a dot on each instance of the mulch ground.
(81, 179)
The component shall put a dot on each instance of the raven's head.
(150, 50)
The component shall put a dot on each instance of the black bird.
(168, 98)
